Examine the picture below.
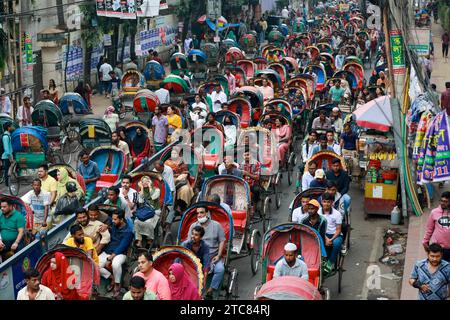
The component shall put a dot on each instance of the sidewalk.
(416, 228)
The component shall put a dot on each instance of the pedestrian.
(105, 78)
(39, 202)
(445, 97)
(437, 230)
(24, 112)
(118, 70)
(188, 44)
(163, 94)
(5, 102)
(54, 93)
(157, 58)
(435, 94)
(34, 290)
(7, 155)
(445, 41)
(160, 128)
(111, 118)
(90, 172)
(432, 275)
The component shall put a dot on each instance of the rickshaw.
(275, 103)
(313, 50)
(26, 211)
(287, 288)
(293, 64)
(130, 129)
(179, 62)
(213, 141)
(223, 82)
(324, 160)
(212, 53)
(209, 86)
(163, 236)
(267, 155)
(350, 77)
(85, 270)
(350, 28)
(242, 107)
(197, 64)
(63, 140)
(248, 66)
(319, 70)
(239, 74)
(357, 70)
(281, 70)
(226, 44)
(132, 81)
(310, 246)
(306, 82)
(276, 38)
(229, 283)
(234, 117)
(72, 101)
(177, 86)
(94, 133)
(287, 164)
(272, 76)
(324, 47)
(111, 163)
(166, 256)
(356, 59)
(144, 104)
(261, 63)
(249, 44)
(256, 101)
(29, 147)
(233, 55)
(154, 74)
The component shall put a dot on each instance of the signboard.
(163, 5)
(397, 52)
(101, 7)
(74, 63)
(344, 7)
(147, 8)
(128, 9)
(213, 9)
(420, 41)
(97, 52)
(113, 8)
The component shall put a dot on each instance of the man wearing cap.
(290, 265)
(319, 180)
(5, 102)
(314, 219)
(336, 121)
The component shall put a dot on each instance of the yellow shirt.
(49, 184)
(175, 121)
(86, 246)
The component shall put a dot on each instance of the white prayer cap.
(290, 247)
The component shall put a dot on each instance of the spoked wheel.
(277, 197)
(14, 180)
(340, 272)
(290, 167)
(232, 287)
(255, 253)
(266, 214)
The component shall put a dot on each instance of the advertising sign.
(397, 52)
(420, 41)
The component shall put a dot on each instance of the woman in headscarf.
(123, 135)
(181, 285)
(184, 193)
(283, 133)
(61, 279)
(140, 148)
(111, 118)
(151, 195)
(62, 179)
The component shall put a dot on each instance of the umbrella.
(375, 114)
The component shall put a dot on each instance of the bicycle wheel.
(14, 182)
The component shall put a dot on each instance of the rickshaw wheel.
(255, 253)
(340, 271)
(266, 214)
(66, 153)
(232, 285)
(14, 181)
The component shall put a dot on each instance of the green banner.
(397, 52)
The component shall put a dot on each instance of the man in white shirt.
(128, 194)
(5, 102)
(39, 201)
(198, 113)
(285, 13)
(163, 94)
(105, 86)
(24, 112)
(301, 212)
(309, 175)
(187, 44)
(308, 145)
(218, 97)
(34, 290)
(332, 143)
(333, 235)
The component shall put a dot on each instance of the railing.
(12, 270)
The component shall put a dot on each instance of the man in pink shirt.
(231, 81)
(154, 280)
(438, 226)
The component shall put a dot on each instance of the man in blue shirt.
(432, 275)
(7, 156)
(90, 173)
(115, 253)
(199, 247)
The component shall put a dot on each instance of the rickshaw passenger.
(230, 167)
(314, 219)
(12, 229)
(181, 285)
(319, 179)
(342, 180)
(284, 134)
(230, 132)
(290, 265)
(138, 291)
(336, 94)
(90, 173)
(140, 148)
(332, 143)
(338, 200)
(115, 252)
(128, 194)
(336, 122)
(266, 90)
(322, 146)
(67, 204)
(301, 212)
(322, 122)
(333, 236)
(216, 240)
(199, 247)
(48, 183)
(309, 175)
(79, 240)
(62, 180)
(215, 198)
(122, 145)
(218, 97)
(115, 200)
(251, 171)
(308, 145)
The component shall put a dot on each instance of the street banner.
(138, 6)
(97, 52)
(397, 52)
(128, 9)
(113, 9)
(420, 41)
(74, 63)
(147, 8)
(101, 8)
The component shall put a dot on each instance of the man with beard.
(80, 241)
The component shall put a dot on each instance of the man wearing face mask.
(215, 238)
(78, 240)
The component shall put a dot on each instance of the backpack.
(2, 147)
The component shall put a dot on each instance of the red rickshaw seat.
(210, 161)
(239, 219)
(313, 274)
(106, 180)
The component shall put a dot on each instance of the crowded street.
(260, 150)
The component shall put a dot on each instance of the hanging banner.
(101, 8)
(128, 9)
(113, 9)
(97, 52)
(163, 5)
(74, 63)
(147, 8)
(138, 6)
(397, 52)
(420, 41)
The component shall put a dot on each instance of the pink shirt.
(231, 83)
(157, 283)
(438, 228)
